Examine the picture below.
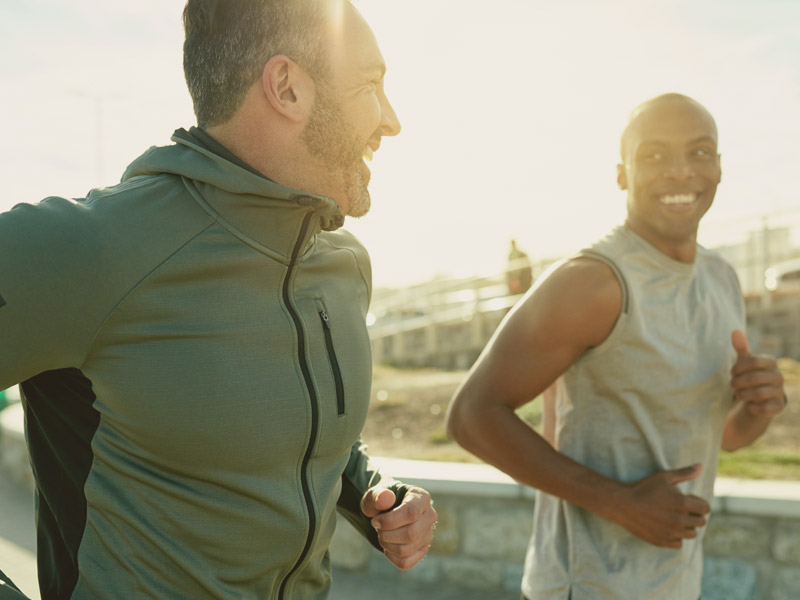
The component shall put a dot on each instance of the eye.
(651, 156)
(703, 152)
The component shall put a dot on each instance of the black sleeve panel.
(359, 476)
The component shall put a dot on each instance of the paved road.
(18, 561)
(17, 537)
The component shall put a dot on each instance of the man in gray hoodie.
(191, 343)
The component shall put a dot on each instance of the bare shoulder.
(580, 298)
(582, 280)
(571, 309)
(590, 281)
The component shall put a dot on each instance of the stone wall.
(752, 545)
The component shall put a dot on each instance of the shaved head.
(648, 107)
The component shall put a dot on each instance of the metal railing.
(446, 322)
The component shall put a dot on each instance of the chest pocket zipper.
(337, 373)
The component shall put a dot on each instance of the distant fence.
(442, 323)
(446, 322)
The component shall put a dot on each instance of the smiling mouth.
(368, 153)
(678, 199)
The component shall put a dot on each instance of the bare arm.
(758, 396)
(572, 310)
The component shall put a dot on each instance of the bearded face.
(335, 143)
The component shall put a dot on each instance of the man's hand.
(654, 510)
(756, 380)
(405, 532)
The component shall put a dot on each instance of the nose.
(390, 124)
(678, 167)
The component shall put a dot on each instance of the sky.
(511, 113)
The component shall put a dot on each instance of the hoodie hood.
(232, 191)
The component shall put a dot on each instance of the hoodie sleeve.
(359, 476)
(47, 278)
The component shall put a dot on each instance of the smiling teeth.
(368, 152)
(678, 199)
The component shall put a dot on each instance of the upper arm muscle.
(571, 310)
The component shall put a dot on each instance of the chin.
(359, 200)
(360, 206)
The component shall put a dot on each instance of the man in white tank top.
(639, 341)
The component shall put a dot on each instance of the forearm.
(742, 427)
(498, 436)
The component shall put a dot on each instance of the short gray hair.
(228, 42)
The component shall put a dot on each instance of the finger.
(752, 375)
(377, 500)
(694, 520)
(773, 406)
(413, 534)
(683, 474)
(689, 533)
(416, 506)
(406, 562)
(739, 341)
(760, 394)
(412, 541)
(695, 505)
(756, 364)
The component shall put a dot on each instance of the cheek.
(366, 117)
(639, 180)
(714, 174)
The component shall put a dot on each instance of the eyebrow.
(705, 139)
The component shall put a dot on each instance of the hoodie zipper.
(312, 517)
(337, 373)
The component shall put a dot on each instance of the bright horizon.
(511, 114)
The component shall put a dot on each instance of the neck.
(683, 248)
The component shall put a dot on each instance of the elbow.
(732, 442)
(452, 423)
(457, 421)
(733, 445)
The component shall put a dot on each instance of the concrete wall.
(752, 545)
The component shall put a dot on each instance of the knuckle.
(406, 536)
(764, 393)
(403, 561)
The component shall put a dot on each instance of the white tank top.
(654, 395)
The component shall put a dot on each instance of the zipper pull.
(325, 318)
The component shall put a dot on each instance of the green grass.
(439, 436)
(755, 462)
(532, 412)
(790, 369)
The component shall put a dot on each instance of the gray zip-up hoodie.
(196, 373)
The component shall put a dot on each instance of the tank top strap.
(623, 284)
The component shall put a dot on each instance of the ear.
(622, 177)
(287, 87)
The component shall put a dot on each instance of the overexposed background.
(511, 112)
